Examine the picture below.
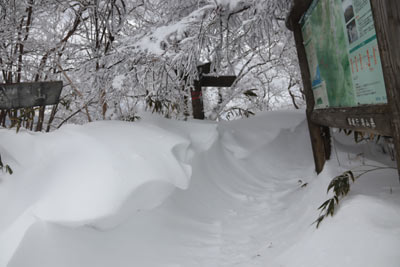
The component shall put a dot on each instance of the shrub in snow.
(340, 186)
(6, 167)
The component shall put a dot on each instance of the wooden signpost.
(350, 66)
(206, 81)
(25, 95)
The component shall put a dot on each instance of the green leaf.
(319, 220)
(250, 93)
(350, 173)
(323, 206)
(347, 132)
(337, 199)
(331, 207)
(356, 137)
(9, 170)
(332, 184)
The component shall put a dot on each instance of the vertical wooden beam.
(318, 134)
(39, 124)
(197, 101)
(197, 93)
(386, 15)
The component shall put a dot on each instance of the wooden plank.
(319, 139)
(370, 119)
(24, 95)
(386, 14)
(214, 81)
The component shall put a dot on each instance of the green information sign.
(342, 52)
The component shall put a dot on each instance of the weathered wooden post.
(349, 60)
(197, 101)
(319, 142)
(387, 22)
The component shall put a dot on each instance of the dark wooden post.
(320, 139)
(387, 23)
(197, 93)
(197, 101)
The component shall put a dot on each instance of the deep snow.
(166, 193)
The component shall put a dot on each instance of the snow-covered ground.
(166, 193)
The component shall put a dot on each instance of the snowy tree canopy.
(117, 57)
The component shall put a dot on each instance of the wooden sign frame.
(29, 94)
(382, 119)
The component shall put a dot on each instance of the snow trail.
(169, 193)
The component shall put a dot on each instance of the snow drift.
(167, 193)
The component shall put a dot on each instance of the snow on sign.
(342, 53)
(24, 95)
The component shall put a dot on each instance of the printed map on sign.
(342, 52)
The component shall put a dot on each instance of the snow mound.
(166, 193)
(93, 175)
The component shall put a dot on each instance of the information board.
(342, 52)
(24, 95)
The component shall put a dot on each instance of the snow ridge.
(95, 175)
